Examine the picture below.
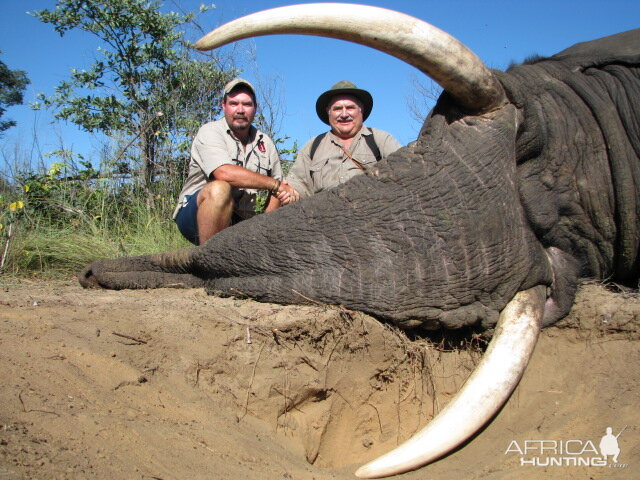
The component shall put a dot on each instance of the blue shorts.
(187, 218)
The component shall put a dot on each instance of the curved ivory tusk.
(436, 53)
(488, 387)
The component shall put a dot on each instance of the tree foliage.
(144, 88)
(12, 86)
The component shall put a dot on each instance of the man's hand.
(287, 194)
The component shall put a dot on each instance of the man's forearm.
(272, 203)
(238, 176)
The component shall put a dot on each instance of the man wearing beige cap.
(230, 161)
(347, 150)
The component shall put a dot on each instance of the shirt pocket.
(367, 158)
(319, 171)
(259, 163)
(264, 168)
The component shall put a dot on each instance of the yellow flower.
(26, 188)
(16, 206)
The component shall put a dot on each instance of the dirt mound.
(175, 384)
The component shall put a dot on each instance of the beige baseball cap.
(239, 83)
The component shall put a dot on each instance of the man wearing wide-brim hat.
(347, 150)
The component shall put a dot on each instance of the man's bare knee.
(215, 207)
(217, 193)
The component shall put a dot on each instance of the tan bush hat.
(348, 88)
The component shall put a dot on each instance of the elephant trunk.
(170, 270)
(437, 54)
(481, 397)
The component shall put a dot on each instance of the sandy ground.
(174, 384)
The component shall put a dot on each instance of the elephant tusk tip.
(201, 46)
(482, 395)
(363, 472)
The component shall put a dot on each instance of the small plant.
(9, 214)
(287, 157)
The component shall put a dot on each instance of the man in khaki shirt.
(347, 150)
(230, 161)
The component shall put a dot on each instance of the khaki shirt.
(215, 145)
(330, 166)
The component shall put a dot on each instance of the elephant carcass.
(519, 184)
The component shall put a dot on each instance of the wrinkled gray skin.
(543, 190)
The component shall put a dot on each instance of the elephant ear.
(620, 49)
(598, 70)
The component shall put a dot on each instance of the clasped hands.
(286, 193)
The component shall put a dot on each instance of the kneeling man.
(230, 161)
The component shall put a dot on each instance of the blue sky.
(499, 32)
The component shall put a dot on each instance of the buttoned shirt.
(215, 145)
(330, 165)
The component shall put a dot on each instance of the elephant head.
(448, 232)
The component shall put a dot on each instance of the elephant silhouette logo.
(609, 444)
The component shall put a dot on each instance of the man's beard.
(236, 126)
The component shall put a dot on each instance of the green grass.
(39, 247)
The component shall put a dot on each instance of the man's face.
(239, 110)
(345, 115)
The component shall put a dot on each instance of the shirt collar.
(253, 131)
